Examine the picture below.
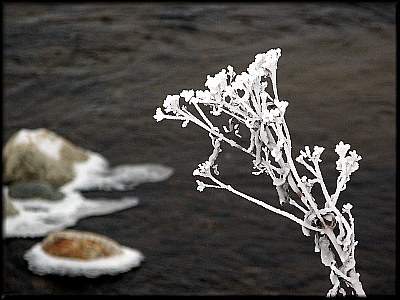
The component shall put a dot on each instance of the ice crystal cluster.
(250, 102)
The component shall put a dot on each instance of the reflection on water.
(95, 73)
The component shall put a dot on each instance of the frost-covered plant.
(246, 100)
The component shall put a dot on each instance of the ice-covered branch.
(250, 101)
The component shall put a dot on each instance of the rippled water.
(95, 73)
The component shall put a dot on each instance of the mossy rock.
(40, 155)
(34, 189)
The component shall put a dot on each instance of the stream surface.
(95, 73)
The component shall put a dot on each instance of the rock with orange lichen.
(82, 246)
(79, 253)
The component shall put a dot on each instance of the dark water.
(95, 73)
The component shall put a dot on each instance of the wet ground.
(95, 73)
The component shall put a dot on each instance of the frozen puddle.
(37, 217)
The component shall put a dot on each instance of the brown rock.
(80, 245)
(27, 161)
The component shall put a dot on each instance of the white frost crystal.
(245, 99)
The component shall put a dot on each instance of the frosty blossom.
(217, 83)
(200, 185)
(203, 170)
(187, 94)
(171, 103)
(341, 149)
(159, 115)
(347, 164)
(314, 156)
